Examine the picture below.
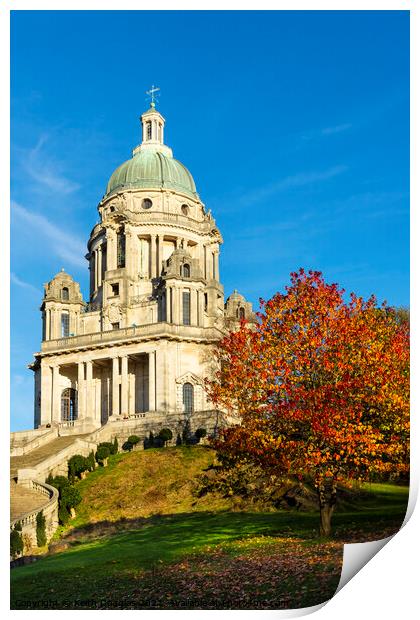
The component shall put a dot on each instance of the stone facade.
(141, 347)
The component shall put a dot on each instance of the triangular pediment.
(189, 377)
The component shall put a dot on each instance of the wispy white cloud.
(315, 134)
(327, 131)
(60, 241)
(46, 172)
(297, 180)
(22, 284)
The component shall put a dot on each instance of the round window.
(185, 209)
(147, 203)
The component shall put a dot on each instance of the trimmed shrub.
(102, 453)
(90, 461)
(127, 446)
(16, 541)
(59, 482)
(63, 515)
(41, 533)
(165, 435)
(110, 445)
(133, 439)
(77, 464)
(200, 433)
(149, 442)
(71, 498)
(115, 447)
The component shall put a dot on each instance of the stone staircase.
(40, 454)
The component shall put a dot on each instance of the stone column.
(90, 412)
(216, 265)
(152, 381)
(132, 391)
(175, 305)
(124, 385)
(169, 310)
(129, 252)
(53, 335)
(99, 268)
(95, 276)
(161, 376)
(81, 391)
(111, 251)
(115, 386)
(200, 310)
(209, 272)
(46, 394)
(55, 398)
(193, 307)
(202, 255)
(153, 256)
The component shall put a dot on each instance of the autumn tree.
(320, 386)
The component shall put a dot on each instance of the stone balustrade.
(143, 332)
(49, 509)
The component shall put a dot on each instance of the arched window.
(186, 271)
(241, 313)
(149, 130)
(68, 405)
(188, 397)
(65, 293)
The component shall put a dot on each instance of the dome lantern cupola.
(153, 124)
(152, 165)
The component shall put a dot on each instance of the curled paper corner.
(356, 555)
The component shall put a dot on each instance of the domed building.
(138, 351)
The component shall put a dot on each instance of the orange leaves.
(320, 383)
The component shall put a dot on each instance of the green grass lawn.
(159, 547)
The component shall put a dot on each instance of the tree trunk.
(327, 495)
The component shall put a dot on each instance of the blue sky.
(294, 124)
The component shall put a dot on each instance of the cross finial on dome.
(152, 94)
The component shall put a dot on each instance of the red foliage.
(321, 386)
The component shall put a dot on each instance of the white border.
(387, 586)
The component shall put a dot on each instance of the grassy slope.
(141, 539)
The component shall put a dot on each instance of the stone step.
(40, 454)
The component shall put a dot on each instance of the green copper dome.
(152, 169)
